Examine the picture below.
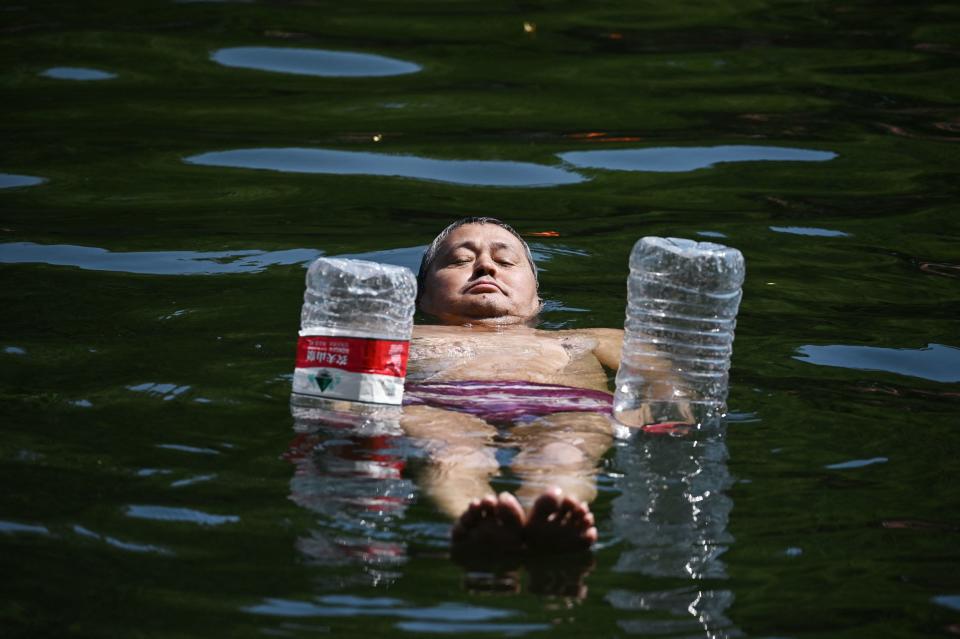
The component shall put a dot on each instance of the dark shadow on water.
(678, 159)
(468, 172)
(317, 62)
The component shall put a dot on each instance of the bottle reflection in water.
(673, 513)
(351, 477)
(682, 302)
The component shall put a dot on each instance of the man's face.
(480, 273)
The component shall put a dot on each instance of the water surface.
(468, 172)
(151, 292)
(313, 62)
(77, 73)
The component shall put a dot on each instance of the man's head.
(478, 270)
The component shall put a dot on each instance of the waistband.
(506, 401)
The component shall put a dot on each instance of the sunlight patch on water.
(153, 262)
(936, 362)
(77, 73)
(468, 172)
(12, 180)
(678, 159)
(165, 513)
(319, 62)
(809, 230)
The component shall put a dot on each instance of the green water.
(154, 483)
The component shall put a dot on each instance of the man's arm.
(609, 345)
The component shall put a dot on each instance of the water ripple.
(379, 607)
(153, 262)
(319, 62)
(12, 180)
(936, 362)
(121, 545)
(189, 449)
(467, 172)
(10, 527)
(500, 629)
(165, 513)
(669, 159)
(77, 73)
(808, 230)
(949, 601)
(857, 463)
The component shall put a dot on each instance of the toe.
(511, 513)
(545, 505)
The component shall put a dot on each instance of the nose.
(484, 265)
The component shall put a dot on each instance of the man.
(486, 363)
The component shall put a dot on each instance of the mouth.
(484, 286)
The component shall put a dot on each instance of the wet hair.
(430, 255)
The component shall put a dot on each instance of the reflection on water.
(77, 73)
(152, 262)
(673, 514)
(808, 230)
(13, 527)
(351, 477)
(119, 544)
(936, 362)
(167, 513)
(471, 172)
(313, 62)
(856, 463)
(408, 256)
(443, 618)
(11, 180)
(677, 159)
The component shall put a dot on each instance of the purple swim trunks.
(506, 401)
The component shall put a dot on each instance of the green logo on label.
(326, 381)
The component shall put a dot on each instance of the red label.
(354, 354)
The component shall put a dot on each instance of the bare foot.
(490, 526)
(559, 524)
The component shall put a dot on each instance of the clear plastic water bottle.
(355, 330)
(682, 302)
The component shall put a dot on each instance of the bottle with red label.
(354, 340)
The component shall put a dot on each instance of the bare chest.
(535, 357)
